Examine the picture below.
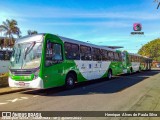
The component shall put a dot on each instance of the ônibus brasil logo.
(137, 27)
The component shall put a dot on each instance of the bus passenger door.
(53, 64)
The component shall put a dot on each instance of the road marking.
(18, 99)
(3, 103)
(24, 97)
(35, 96)
(15, 100)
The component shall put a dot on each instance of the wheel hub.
(70, 81)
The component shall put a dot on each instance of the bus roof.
(37, 37)
(84, 43)
(135, 54)
(139, 55)
(64, 39)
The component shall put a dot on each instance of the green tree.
(151, 49)
(10, 28)
(32, 32)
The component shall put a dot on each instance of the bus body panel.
(135, 66)
(36, 83)
(92, 69)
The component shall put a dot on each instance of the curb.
(12, 91)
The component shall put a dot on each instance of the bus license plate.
(21, 83)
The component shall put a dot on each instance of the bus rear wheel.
(109, 76)
(70, 81)
(130, 71)
(139, 70)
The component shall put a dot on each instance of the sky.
(101, 22)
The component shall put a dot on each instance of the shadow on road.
(100, 86)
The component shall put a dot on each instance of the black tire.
(70, 81)
(109, 75)
(130, 71)
(139, 70)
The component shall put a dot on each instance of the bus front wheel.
(70, 81)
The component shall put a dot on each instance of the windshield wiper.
(29, 49)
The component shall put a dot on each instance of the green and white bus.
(135, 62)
(47, 60)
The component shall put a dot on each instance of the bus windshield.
(26, 55)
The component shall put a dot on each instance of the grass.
(3, 79)
(4, 75)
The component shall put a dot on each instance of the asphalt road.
(135, 92)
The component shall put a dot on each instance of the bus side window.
(134, 58)
(104, 55)
(113, 56)
(67, 47)
(120, 56)
(57, 53)
(85, 53)
(1, 55)
(53, 53)
(109, 55)
(71, 51)
(116, 56)
(96, 54)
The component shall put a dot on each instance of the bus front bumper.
(36, 83)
